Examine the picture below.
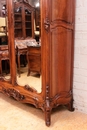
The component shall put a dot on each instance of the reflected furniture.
(3, 39)
(23, 27)
(2, 10)
(21, 52)
(34, 59)
(57, 57)
(4, 55)
(37, 30)
(23, 20)
(3, 31)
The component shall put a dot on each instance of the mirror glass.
(28, 44)
(4, 53)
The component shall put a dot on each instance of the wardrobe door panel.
(61, 60)
(62, 10)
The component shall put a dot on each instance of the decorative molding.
(13, 93)
(47, 107)
(46, 24)
(47, 20)
(56, 99)
(60, 23)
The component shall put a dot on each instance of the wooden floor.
(17, 116)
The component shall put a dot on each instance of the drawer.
(34, 50)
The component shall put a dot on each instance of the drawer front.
(34, 62)
(34, 50)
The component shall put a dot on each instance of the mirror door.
(24, 29)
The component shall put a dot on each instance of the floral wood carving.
(13, 93)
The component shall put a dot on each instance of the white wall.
(80, 57)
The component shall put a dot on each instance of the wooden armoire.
(57, 56)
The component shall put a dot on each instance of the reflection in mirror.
(27, 43)
(4, 53)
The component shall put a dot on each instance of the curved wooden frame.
(53, 93)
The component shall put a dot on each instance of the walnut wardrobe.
(57, 55)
